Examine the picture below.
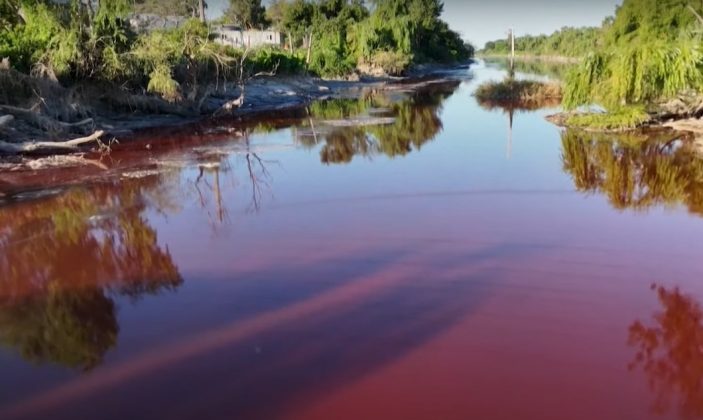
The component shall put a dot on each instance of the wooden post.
(309, 48)
(512, 49)
(201, 7)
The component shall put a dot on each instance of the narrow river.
(404, 256)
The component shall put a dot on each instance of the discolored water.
(427, 263)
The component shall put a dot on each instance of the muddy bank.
(388, 110)
(40, 117)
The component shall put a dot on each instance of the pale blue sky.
(485, 20)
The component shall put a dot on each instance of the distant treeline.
(567, 42)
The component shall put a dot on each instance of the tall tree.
(171, 7)
(247, 13)
(275, 13)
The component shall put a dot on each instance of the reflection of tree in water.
(416, 122)
(635, 172)
(670, 352)
(551, 69)
(64, 258)
(511, 107)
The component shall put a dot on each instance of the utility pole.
(201, 9)
(511, 35)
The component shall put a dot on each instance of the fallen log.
(6, 120)
(47, 146)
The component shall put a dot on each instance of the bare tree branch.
(32, 147)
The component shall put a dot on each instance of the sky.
(484, 20)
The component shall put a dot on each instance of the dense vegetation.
(78, 40)
(644, 55)
(567, 42)
(391, 35)
(525, 94)
(651, 51)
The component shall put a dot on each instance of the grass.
(518, 90)
(519, 94)
(625, 118)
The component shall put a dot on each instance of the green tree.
(650, 51)
(297, 21)
(275, 14)
(247, 13)
(168, 7)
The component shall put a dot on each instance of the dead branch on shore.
(6, 120)
(47, 146)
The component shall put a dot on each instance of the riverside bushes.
(78, 40)
(651, 51)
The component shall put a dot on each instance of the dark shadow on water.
(262, 376)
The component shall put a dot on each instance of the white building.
(234, 36)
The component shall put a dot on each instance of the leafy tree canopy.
(247, 14)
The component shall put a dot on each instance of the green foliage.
(619, 119)
(645, 21)
(168, 7)
(246, 13)
(517, 90)
(636, 74)
(180, 57)
(413, 29)
(567, 42)
(344, 34)
(268, 58)
(161, 82)
(26, 43)
(393, 63)
(78, 40)
(9, 13)
(650, 53)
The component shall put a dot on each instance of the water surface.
(440, 265)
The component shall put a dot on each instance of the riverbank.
(529, 58)
(103, 116)
(384, 108)
(682, 113)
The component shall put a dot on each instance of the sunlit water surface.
(440, 265)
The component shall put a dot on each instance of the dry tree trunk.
(6, 120)
(45, 146)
